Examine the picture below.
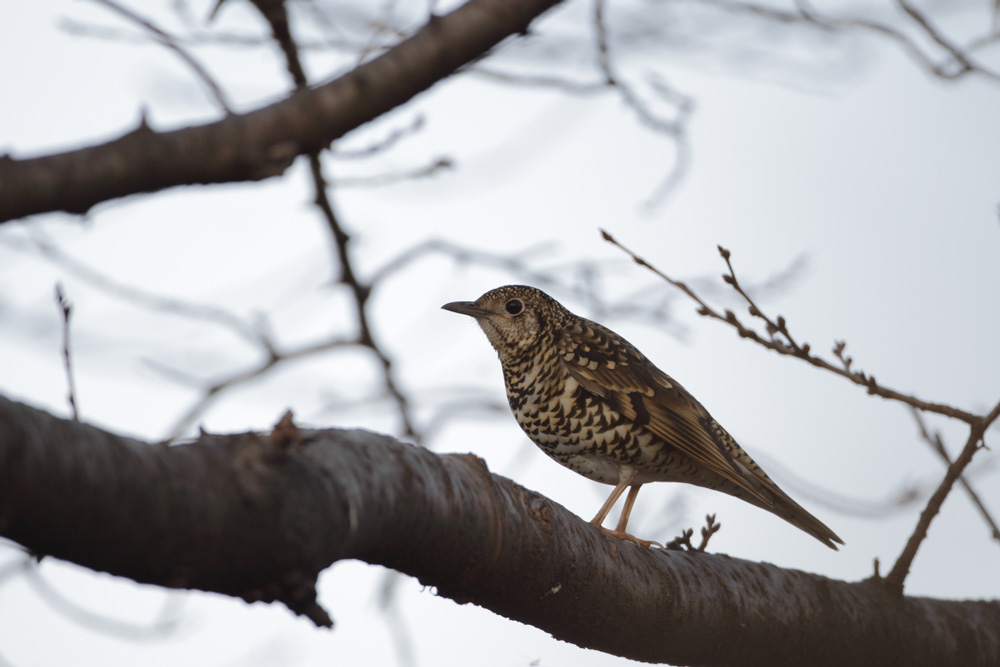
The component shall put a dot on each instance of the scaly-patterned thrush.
(597, 405)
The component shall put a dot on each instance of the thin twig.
(381, 27)
(274, 12)
(780, 340)
(211, 392)
(519, 262)
(675, 128)
(683, 541)
(932, 31)
(900, 498)
(163, 627)
(937, 444)
(167, 40)
(382, 145)
(540, 81)
(145, 299)
(66, 308)
(382, 180)
(361, 293)
(197, 38)
(807, 15)
(894, 580)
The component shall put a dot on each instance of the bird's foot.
(622, 535)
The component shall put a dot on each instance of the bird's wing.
(609, 367)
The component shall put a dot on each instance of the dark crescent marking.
(641, 414)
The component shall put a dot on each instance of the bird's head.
(514, 317)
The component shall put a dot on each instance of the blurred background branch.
(581, 59)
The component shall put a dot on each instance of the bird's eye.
(514, 306)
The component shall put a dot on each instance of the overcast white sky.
(884, 180)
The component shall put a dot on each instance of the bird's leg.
(619, 531)
(610, 502)
(627, 510)
(624, 481)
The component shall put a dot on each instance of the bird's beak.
(467, 308)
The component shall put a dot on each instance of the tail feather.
(768, 496)
(795, 514)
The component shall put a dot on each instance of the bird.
(593, 402)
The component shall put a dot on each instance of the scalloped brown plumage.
(593, 402)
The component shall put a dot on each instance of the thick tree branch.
(259, 516)
(265, 142)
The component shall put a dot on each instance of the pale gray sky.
(885, 179)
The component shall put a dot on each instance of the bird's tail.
(762, 492)
(789, 510)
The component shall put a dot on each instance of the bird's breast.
(576, 428)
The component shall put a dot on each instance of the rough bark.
(264, 142)
(259, 516)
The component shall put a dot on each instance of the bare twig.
(957, 64)
(519, 262)
(274, 12)
(196, 38)
(383, 145)
(540, 81)
(66, 308)
(524, 263)
(675, 128)
(211, 392)
(894, 580)
(960, 56)
(937, 444)
(381, 180)
(276, 15)
(360, 293)
(381, 27)
(683, 541)
(780, 340)
(163, 627)
(902, 497)
(145, 299)
(171, 43)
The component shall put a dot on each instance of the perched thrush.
(597, 405)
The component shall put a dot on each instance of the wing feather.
(611, 368)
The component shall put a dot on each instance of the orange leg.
(619, 531)
(627, 510)
(610, 502)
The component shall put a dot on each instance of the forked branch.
(779, 339)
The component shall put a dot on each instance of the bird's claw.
(622, 535)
